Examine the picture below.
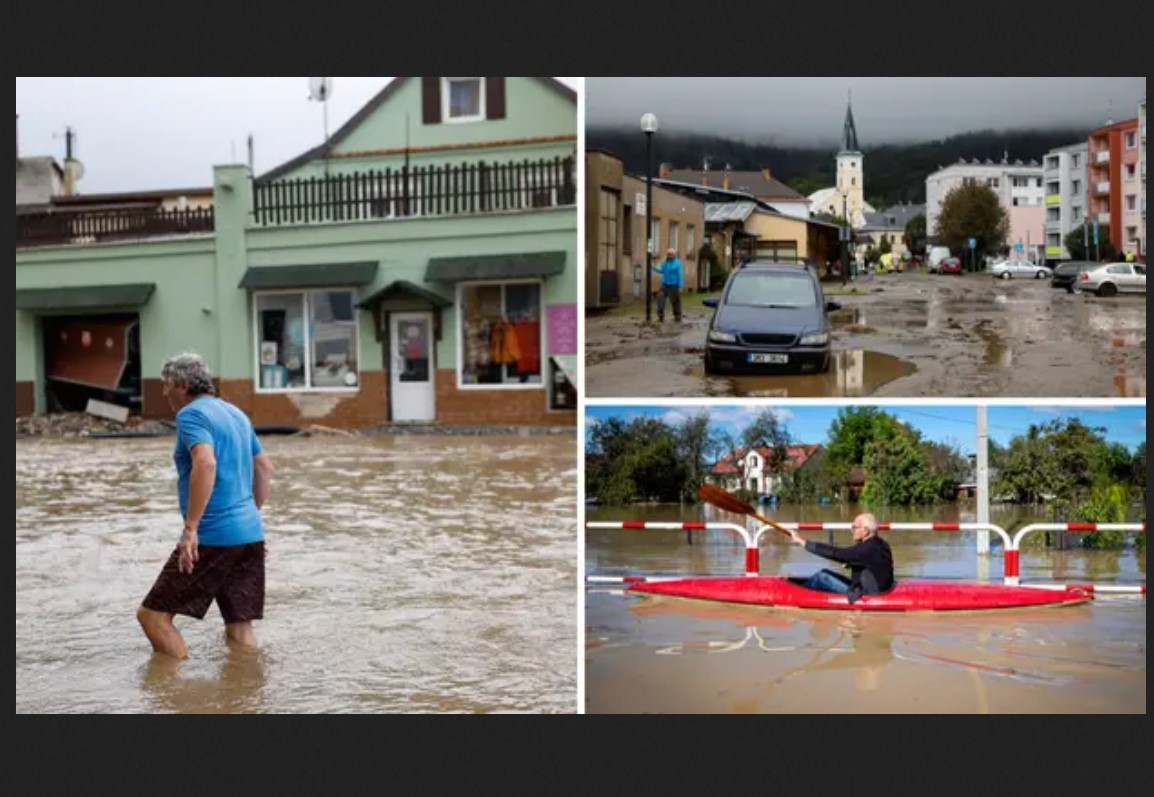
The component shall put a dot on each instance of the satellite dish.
(320, 88)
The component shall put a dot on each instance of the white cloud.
(674, 418)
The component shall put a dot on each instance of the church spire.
(849, 140)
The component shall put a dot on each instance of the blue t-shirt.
(232, 518)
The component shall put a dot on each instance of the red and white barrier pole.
(1014, 555)
(752, 554)
(941, 528)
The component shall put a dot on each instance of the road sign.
(973, 243)
(640, 207)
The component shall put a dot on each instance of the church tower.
(851, 172)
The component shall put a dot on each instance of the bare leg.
(241, 635)
(161, 632)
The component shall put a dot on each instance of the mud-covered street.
(910, 336)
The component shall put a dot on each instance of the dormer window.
(464, 99)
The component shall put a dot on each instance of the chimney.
(766, 173)
(725, 182)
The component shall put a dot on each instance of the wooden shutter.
(495, 102)
(431, 90)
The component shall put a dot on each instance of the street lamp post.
(649, 126)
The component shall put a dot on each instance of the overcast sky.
(792, 110)
(140, 133)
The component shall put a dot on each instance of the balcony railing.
(1102, 157)
(58, 228)
(418, 192)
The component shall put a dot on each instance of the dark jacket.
(871, 564)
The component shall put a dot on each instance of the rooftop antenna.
(321, 90)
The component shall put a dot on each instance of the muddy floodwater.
(912, 335)
(649, 655)
(406, 575)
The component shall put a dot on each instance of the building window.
(1131, 171)
(777, 251)
(610, 215)
(1077, 214)
(1131, 140)
(656, 234)
(501, 335)
(1131, 234)
(318, 355)
(675, 237)
(690, 242)
(1131, 202)
(464, 99)
(1076, 188)
(1077, 161)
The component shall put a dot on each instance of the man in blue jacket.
(672, 282)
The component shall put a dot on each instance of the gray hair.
(871, 523)
(191, 372)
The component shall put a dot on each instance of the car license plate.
(769, 359)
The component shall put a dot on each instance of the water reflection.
(172, 687)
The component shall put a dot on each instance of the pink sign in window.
(562, 329)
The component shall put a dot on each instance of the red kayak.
(908, 596)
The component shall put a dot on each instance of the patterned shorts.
(233, 577)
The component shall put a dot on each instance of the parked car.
(1020, 269)
(937, 255)
(770, 318)
(950, 265)
(1113, 279)
(1066, 276)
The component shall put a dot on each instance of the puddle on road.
(852, 374)
(998, 352)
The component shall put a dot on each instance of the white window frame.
(1131, 203)
(256, 341)
(691, 242)
(675, 237)
(1131, 171)
(461, 336)
(446, 102)
(1131, 140)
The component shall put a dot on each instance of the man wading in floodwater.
(870, 560)
(224, 477)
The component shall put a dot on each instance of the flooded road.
(913, 335)
(657, 655)
(406, 575)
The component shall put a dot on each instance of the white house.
(1066, 179)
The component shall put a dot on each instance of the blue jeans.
(829, 581)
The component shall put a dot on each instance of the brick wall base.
(366, 408)
(457, 407)
(369, 407)
(25, 399)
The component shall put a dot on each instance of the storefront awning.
(91, 297)
(496, 267)
(406, 291)
(328, 275)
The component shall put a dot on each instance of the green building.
(418, 267)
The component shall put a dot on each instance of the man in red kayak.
(870, 561)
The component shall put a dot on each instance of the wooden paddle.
(728, 502)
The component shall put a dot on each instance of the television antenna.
(321, 90)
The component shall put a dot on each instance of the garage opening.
(92, 357)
